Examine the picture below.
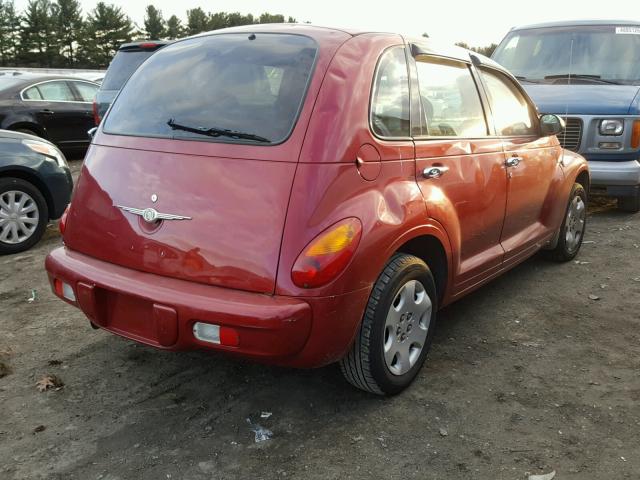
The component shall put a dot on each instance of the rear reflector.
(64, 290)
(207, 332)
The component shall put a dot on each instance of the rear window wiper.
(217, 132)
(595, 78)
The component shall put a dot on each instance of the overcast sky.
(478, 23)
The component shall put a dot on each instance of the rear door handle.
(434, 172)
(513, 161)
(46, 111)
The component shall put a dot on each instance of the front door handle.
(46, 111)
(434, 172)
(513, 161)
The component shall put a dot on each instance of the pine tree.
(197, 21)
(38, 38)
(154, 24)
(107, 28)
(9, 33)
(174, 28)
(70, 28)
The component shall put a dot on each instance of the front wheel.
(573, 226)
(23, 215)
(396, 330)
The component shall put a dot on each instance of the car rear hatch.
(191, 171)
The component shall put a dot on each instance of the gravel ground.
(537, 371)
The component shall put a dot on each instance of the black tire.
(563, 252)
(8, 184)
(365, 366)
(629, 204)
(27, 131)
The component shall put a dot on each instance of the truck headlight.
(47, 150)
(611, 127)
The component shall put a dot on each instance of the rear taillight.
(327, 255)
(62, 225)
(635, 135)
(96, 114)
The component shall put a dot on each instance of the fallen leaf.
(39, 428)
(55, 363)
(546, 476)
(49, 382)
(593, 297)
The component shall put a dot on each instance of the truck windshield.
(594, 54)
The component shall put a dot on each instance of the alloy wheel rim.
(406, 327)
(575, 222)
(19, 217)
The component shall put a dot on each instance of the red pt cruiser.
(302, 195)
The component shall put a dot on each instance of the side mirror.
(551, 125)
(92, 132)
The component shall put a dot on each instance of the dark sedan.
(35, 187)
(56, 108)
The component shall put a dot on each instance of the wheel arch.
(431, 250)
(34, 127)
(31, 177)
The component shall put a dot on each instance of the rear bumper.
(161, 312)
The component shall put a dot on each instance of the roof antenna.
(566, 110)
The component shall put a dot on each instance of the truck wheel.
(629, 204)
(573, 226)
(397, 328)
(23, 215)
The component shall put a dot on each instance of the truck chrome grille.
(570, 138)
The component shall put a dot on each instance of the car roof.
(430, 46)
(576, 23)
(30, 77)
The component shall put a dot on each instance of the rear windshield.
(241, 88)
(122, 66)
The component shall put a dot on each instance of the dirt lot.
(530, 374)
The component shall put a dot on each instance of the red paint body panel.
(255, 208)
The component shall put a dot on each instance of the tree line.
(486, 51)
(57, 34)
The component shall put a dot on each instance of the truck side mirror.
(551, 125)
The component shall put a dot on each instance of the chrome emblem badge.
(151, 215)
(154, 198)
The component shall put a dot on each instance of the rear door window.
(253, 85)
(56, 92)
(390, 100)
(450, 99)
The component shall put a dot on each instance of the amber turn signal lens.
(327, 255)
(635, 135)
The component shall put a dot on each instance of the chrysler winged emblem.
(151, 215)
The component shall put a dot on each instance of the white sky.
(478, 23)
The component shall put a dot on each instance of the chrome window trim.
(54, 101)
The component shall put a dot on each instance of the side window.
(56, 92)
(390, 101)
(450, 99)
(86, 90)
(32, 94)
(511, 112)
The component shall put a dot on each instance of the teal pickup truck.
(587, 72)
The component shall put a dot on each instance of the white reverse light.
(207, 332)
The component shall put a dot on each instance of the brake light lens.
(635, 135)
(327, 255)
(62, 225)
(96, 115)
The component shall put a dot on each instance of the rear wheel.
(573, 226)
(629, 204)
(23, 215)
(397, 328)
(27, 131)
